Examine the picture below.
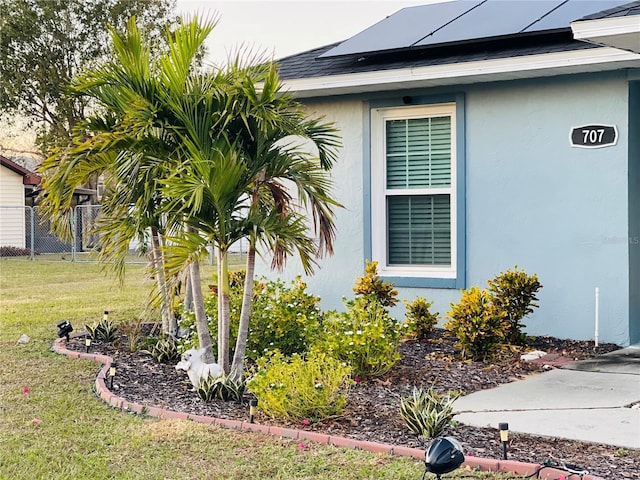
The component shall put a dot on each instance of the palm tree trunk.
(202, 326)
(223, 311)
(168, 324)
(237, 368)
(188, 293)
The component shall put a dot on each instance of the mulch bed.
(373, 411)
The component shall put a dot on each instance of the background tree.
(45, 43)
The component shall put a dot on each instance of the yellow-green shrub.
(284, 317)
(311, 388)
(419, 321)
(372, 285)
(479, 325)
(514, 292)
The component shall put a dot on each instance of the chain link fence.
(24, 232)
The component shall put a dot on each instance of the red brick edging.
(475, 463)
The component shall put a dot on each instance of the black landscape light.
(252, 409)
(87, 344)
(105, 316)
(444, 456)
(64, 329)
(504, 438)
(112, 373)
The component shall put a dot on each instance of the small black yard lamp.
(504, 437)
(87, 343)
(112, 373)
(64, 329)
(253, 403)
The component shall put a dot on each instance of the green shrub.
(284, 318)
(187, 334)
(514, 292)
(163, 350)
(10, 251)
(427, 413)
(133, 331)
(297, 388)
(478, 324)
(365, 337)
(420, 321)
(225, 387)
(188, 318)
(103, 331)
(372, 285)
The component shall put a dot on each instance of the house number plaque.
(594, 136)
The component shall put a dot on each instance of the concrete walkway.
(596, 400)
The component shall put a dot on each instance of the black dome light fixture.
(64, 329)
(443, 456)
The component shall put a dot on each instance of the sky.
(276, 28)
(279, 28)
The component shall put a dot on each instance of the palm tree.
(131, 140)
(239, 182)
(200, 159)
(207, 194)
(287, 180)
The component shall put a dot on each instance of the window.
(413, 206)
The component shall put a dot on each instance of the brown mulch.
(373, 405)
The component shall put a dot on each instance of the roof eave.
(531, 66)
(31, 179)
(28, 177)
(616, 32)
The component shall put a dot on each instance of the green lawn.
(59, 429)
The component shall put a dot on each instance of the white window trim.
(379, 192)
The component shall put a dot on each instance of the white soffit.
(531, 66)
(616, 32)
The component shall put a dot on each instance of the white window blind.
(419, 230)
(418, 153)
(418, 157)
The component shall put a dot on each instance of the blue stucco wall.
(531, 199)
(558, 211)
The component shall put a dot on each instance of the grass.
(60, 430)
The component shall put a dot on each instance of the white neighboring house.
(14, 180)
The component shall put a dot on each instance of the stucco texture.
(553, 209)
(531, 199)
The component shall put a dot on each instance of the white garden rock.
(530, 356)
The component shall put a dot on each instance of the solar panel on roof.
(570, 11)
(465, 21)
(403, 28)
(491, 19)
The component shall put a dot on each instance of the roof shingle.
(632, 8)
(308, 65)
